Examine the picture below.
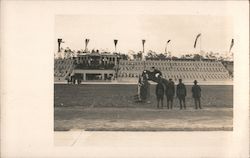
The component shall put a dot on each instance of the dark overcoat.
(181, 91)
(170, 89)
(196, 91)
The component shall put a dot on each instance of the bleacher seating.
(175, 69)
(129, 71)
(62, 68)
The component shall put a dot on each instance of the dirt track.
(141, 119)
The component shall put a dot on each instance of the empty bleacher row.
(62, 68)
(187, 70)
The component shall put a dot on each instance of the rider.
(155, 71)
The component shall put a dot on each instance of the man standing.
(159, 91)
(139, 85)
(196, 91)
(144, 89)
(181, 93)
(170, 91)
(147, 85)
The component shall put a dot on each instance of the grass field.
(111, 107)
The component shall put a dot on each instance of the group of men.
(181, 93)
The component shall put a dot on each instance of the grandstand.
(62, 68)
(188, 70)
(229, 65)
(206, 71)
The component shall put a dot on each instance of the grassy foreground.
(112, 108)
(122, 96)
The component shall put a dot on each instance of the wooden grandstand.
(62, 68)
(205, 71)
(129, 71)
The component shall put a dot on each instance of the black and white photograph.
(126, 79)
(143, 73)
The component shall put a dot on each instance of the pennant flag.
(143, 42)
(196, 39)
(86, 43)
(115, 41)
(59, 40)
(167, 46)
(231, 46)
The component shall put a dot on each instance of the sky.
(217, 32)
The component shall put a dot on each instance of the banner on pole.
(231, 46)
(115, 42)
(196, 39)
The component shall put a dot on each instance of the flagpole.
(200, 44)
(171, 60)
(85, 46)
(143, 55)
(166, 49)
(231, 45)
(200, 48)
(169, 54)
(60, 41)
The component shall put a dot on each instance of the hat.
(195, 81)
(180, 79)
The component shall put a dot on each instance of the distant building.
(96, 60)
(96, 66)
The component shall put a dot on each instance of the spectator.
(181, 93)
(170, 91)
(159, 92)
(144, 88)
(146, 85)
(139, 85)
(196, 91)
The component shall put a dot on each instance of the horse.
(146, 76)
(155, 76)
